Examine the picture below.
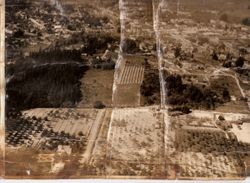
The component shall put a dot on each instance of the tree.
(240, 62)
(226, 95)
(246, 21)
(19, 33)
(177, 52)
(99, 105)
(224, 17)
(227, 64)
(215, 56)
(221, 118)
(129, 46)
(80, 133)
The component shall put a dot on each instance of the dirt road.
(95, 129)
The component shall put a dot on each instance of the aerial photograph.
(126, 89)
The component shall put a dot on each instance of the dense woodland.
(192, 96)
(46, 86)
(150, 88)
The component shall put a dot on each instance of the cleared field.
(126, 95)
(97, 85)
(135, 143)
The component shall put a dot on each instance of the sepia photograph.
(125, 89)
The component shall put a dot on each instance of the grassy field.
(97, 85)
